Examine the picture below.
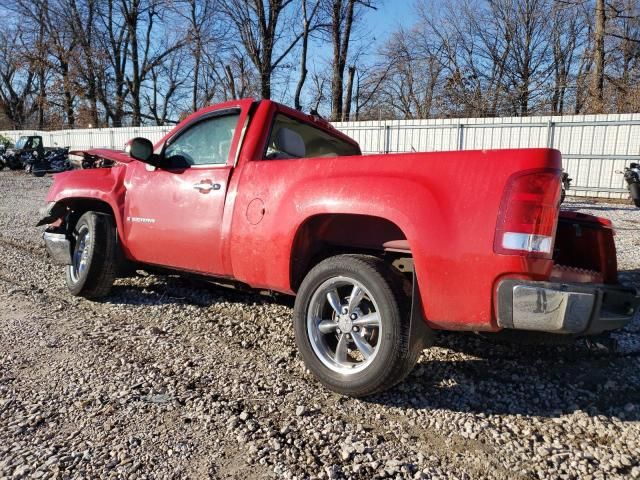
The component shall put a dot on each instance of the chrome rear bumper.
(565, 308)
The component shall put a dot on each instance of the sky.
(373, 30)
(389, 16)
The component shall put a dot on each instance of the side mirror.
(142, 149)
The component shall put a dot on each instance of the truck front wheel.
(94, 260)
(352, 325)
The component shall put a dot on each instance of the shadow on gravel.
(466, 372)
(630, 277)
(597, 375)
(546, 381)
(172, 290)
(604, 208)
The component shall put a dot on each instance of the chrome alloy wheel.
(344, 325)
(80, 261)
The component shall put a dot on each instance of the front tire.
(352, 325)
(94, 261)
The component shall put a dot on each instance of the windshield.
(21, 142)
(295, 139)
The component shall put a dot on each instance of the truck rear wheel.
(94, 260)
(352, 325)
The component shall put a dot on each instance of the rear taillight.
(529, 214)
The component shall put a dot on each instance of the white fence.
(594, 147)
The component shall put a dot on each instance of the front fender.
(104, 185)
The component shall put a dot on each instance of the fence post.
(460, 136)
(387, 138)
(551, 126)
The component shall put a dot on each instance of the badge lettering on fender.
(141, 220)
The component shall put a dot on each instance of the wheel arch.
(323, 235)
(74, 207)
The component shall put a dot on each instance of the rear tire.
(94, 256)
(367, 347)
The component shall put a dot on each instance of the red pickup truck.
(380, 250)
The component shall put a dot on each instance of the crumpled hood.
(114, 155)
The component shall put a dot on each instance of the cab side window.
(292, 138)
(206, 143)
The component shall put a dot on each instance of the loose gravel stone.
(170, 378)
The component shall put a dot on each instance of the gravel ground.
(170, 379)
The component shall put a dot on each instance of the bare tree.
(17, 80)
(307, 27)
(264, 34)
(82, 17)
(33, 38)
(145, 53)
(414, 73)
(239, 79)
(568, 37)
(343, 14)
(205, 41)
(166, 92)
(529, 62)
(597, 86)
(623, 57)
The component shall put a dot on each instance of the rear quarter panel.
(445, 203)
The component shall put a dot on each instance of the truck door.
(174, 214)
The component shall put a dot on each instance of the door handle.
(206, 187)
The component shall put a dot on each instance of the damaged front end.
(56, 238)
(78, 191)
(86, 159)
(58, 246)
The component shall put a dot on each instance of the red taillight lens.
(529, 214)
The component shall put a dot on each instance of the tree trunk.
(197, 54)
(598, 73)
(68, 95)
(347, 101)
(340, 39)
(231, 81)
(265, 84)
(303, 57)
(196, 74)
(42, 59)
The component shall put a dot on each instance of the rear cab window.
(291, 138)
